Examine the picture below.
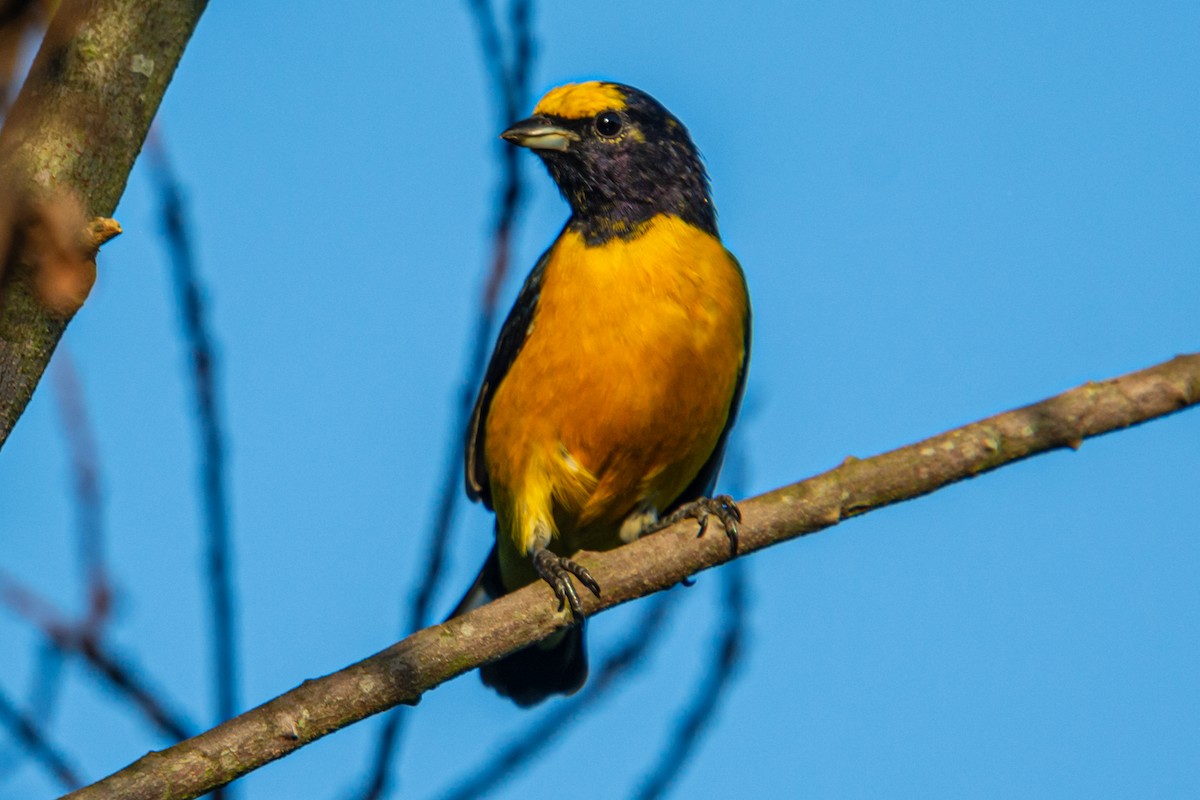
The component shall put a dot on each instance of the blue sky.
(944, 211)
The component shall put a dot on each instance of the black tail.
(556, 665)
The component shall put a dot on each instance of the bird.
(605, 409)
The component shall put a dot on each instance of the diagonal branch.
(405, 671)
(684, 738)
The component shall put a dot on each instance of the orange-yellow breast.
(622, 387)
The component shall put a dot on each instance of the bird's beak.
(539, 133)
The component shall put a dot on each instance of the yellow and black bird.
(606, 407)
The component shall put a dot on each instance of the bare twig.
(25, 730)
(405, 671)
(18, 20)
(117, 670)
(85, 473)
(726, 655)
(523, 749)
(681, 743)
(90, 535)
(510, 78)
(197, 335)
(121, 674)
(45, 683)
(89, 509)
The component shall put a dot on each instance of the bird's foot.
(557, 571)
(722, 507)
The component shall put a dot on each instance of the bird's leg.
(640, 520)
(722, 507)
(557, 571)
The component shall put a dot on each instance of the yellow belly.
(621, 389)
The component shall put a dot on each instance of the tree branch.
(74, 131)
(405, 671)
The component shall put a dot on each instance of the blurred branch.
(46, 681)
(74, 131)
(405, 671)
(25, 730)
(194, 319)
(692, 724)
(510, 82)
(122, 675)
(85, 472)
(19, 19)
(726, 656)
(89, 528)
(85, 467)
(494, 772)
(78, 639)
(510, 79)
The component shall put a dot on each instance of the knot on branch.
(50, 243)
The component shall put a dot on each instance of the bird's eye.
(609, 124)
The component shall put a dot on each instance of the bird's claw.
(557, 571)
(723, 507)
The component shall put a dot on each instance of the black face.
(628, 165)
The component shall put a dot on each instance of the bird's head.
(619, 158)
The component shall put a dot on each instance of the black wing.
(508, 345)
(706, 480)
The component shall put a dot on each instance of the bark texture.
(70, 141)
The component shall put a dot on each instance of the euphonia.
(605, 409)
